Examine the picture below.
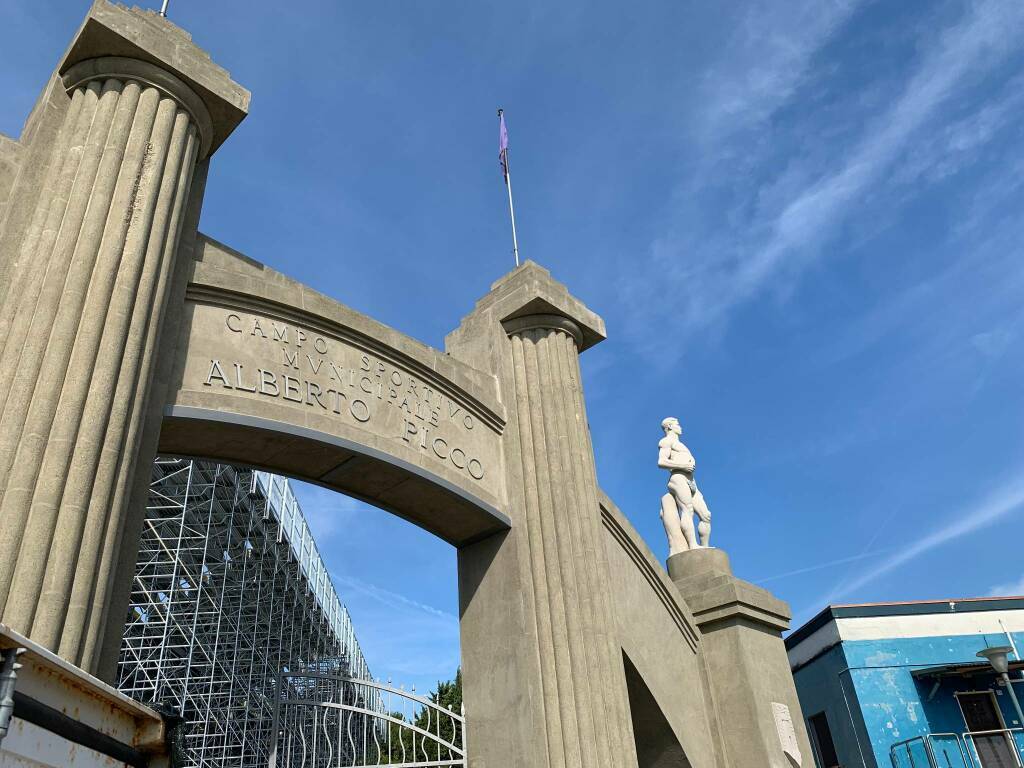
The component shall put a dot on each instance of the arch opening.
(255, 597)
(656, 743)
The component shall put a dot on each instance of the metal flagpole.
(508, 185)
(163, 9)
(511, 211)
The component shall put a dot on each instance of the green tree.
(417, 748)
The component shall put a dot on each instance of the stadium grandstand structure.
(230, 594)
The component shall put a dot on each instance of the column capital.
(113, 32)
(528, 297)
(525, 323)
(142, 72)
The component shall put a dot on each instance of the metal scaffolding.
(229, 592)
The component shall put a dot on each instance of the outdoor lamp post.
(997, 658)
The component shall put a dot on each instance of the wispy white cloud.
(771, 231)
(956, 145)
(992, 29)
(985, 268)
(327, 512)
(1009, 588)
(1004, 501)
(993, 342)
(404, 639)
(393, 600)
(820, 566)
(1000, 191)
(764, 62)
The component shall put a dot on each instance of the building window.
(823, 741)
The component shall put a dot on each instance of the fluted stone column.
(562, 518)
(531, 332)
(93, 274)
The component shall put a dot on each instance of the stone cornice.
(114, 30)
(623, 533)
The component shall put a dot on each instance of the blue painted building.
(902, 685)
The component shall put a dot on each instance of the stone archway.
(281, 377)
(125, 331)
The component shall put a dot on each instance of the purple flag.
(502, 143)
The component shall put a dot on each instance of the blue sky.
(801, 221)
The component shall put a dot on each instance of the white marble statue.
(683, 498)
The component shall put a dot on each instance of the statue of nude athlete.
(683, 498)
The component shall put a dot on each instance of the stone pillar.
(748, 670)
(80, 328)
(535, 331)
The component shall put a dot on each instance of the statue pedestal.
(751, 685)
(699, 563)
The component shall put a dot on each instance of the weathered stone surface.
(112, 29)
(11, 156)
(534, 330)
(662, 643)
(748, 671)
(271, 373)
(109, 168)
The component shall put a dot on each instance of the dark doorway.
(982, 716)
(822, 736)
(656, 743)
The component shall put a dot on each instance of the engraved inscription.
(787, 732)
(286, 363)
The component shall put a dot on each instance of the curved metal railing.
(335, 721)
(1009, 735)
(933, 750)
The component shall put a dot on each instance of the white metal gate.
(335, 721)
